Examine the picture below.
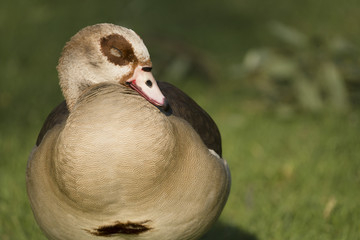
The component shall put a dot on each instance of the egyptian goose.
(123, 157)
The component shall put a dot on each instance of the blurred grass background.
(281, 79)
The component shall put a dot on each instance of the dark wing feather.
(57, 116)
(183, 106)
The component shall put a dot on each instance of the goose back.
(119, 159)
(181, 105)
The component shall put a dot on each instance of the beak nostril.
(148, 83)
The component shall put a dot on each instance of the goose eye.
(116, 52)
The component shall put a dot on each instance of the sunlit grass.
(293, 177)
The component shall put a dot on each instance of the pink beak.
(144, 83)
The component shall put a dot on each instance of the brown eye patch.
(117, 50)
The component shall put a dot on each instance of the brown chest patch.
(130, 228)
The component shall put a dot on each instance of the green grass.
(294, 175)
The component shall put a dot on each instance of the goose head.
(107, 53)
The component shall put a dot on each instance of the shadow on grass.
(223, 231)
